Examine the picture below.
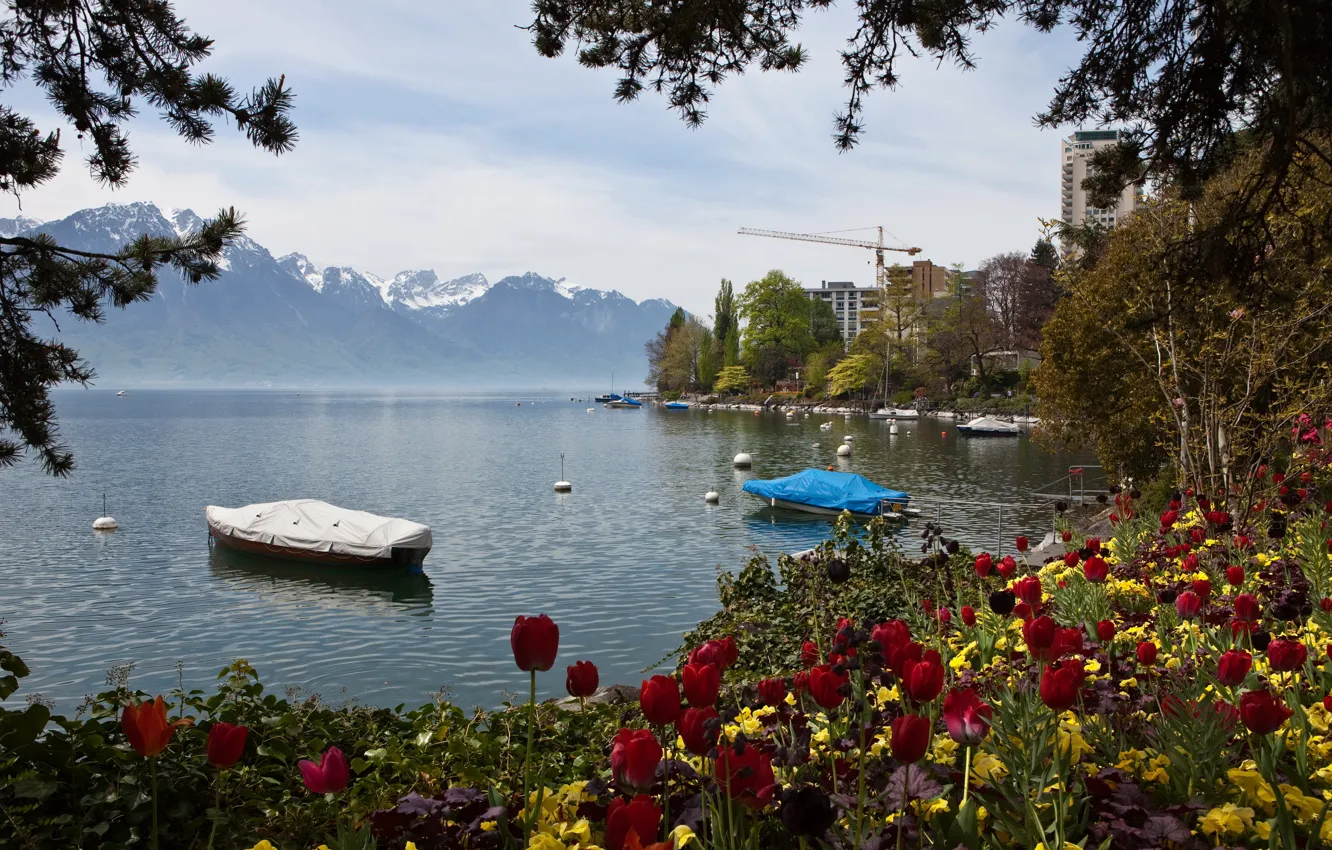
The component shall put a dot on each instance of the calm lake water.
(624, 564)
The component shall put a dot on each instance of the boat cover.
(318, 527)
(989, 423)
(831, 490)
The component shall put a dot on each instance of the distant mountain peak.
(11, 227)
(300, 265)
(421, 289)
(185, 222)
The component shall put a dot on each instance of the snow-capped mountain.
(11, 227)
(288, 319)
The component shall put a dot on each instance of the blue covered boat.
(625, 403)
(676, 405)
(820, 492)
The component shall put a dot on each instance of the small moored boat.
(988, 426)
(818, 491)
(609, 397)
(895, 413)
(625, 403)
(676, 405)
(311, 530)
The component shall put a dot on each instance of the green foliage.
(823, 323)
(732, 379)
(854, 374)
(725, 317)
(777, 325)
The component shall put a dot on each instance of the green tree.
(732, 379)
(97, 61)
(706, 371)
(776, 314)
(731, 347)
(823, 324)
(1044, 255)
(854, 374)
(725, 317)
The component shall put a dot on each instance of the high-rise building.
(850, 304)
(1075, 160)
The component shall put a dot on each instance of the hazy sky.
(433, 136)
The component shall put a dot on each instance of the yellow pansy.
(1128, 683)
(682, 835)
(542, 841)
(939, 805)
(1156, 769)
(1304, 807)
(1227, 820)
(264, 845)
(1251, 782)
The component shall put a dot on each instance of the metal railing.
(937, 508)
(1077, 481)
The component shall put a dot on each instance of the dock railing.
(1007, 519)
(1081, 482)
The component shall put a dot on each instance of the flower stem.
(966, 779)
(527, 767)
(152, 773)
(666, 782)
(906, 801)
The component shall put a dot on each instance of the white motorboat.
(310, 530)
(123, 392)
(988, 426)
(895, 413)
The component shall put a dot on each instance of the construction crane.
(880, 272)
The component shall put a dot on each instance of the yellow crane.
(878, 247)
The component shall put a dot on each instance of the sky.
(432, 135)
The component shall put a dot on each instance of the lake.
(624, 564)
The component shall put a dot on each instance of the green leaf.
(20, 728)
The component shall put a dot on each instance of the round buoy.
(711, 497)
(848, 439)
(563, 487)
(591, 410)
(105, 523)
(943, 434)
(843, 450)
(892, 428)
(816, 445)
(742, 460)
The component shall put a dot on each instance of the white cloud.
(433, 136)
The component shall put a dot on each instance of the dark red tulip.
(1263, 713)
(702, 684)
(730, 653)
(1105, 631)
(968, 616)
(944, 616)
(923, 680)
(1327, 700)
(910, 739)
(1039, 635)
(1285, 655)
(1187, 605)
(659, 698)
(329, 775)
(699, 727)
(1146, 653)
(640, 817)
(745, 773)
(824, 686)
(1028, 589)
(890, 635)
(1241, 627)
(226, 743)
(1096, 569)
(800, 683)
(1021, 543)
(581, 679)
(984, 564)
(1233, 666)
(535, 642)
(772, 691)
(1007, 566)
(966, 716)
(1071, 559)
(1065, 536)
(1196, 535)
(1234, 576)
(809, 654)
(1021, 610)
(1203, 588)
(1060, 685)
(1247, 608)
(1325, 604)
(903, 654)
(635, 755)
(146, 726)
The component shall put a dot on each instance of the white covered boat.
(988, 426)
(895, 413)
(311, 530)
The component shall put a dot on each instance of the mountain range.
(288, 321)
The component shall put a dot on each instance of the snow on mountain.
(185, 222)
(422, 288)
(11, 227)
(300, 265)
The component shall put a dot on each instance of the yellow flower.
(987, 767)
(1304, 807)
(934, 807)
(1128, 759)
(1092, 666)
(1128, 683)
(1227, 820)
(1251, 782)
(1070, 738)
(682, 835)
(1156, 769)
(542, 841)
(411, 845)
(264, 845)
(790, 699)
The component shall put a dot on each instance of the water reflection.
(292, 582)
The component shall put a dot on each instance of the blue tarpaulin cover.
(832, 490)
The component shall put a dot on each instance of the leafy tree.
(706, 370)
(97, 61)
(725, 316)
(731, 347)
(732, 379)
(1043, 254)
(679, 356)
(899, 314)
(1020, 295)
(677, 320)
(777, 327)
(823, 324)
(854, 374)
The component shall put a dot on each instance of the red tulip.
(1325, 604)
(1285, 655)
(923, 680)
(1247, 608)
(745, 772)
(699, 727)
(967, 718)
(329, 775)
(984, 564)
(582, 679)
(659, 698)
(944, 616)
(1021, 543)
(1168, 519)
(1028, 589)
(772, 691)
(1094, 544)
(1327, 700)
(1146, 653)
(1263, 713)
(901, 655)
(891, 635)
(1060, 685)
(635, 755)
(1096, 569)
(1187, 605)
(1234, 576)
(1196, 535)
(1233, 666)
(1071, 559)
(535, 642)
(1065, 536)
(226, 743)
(809, 654)
(1022, 611)
(1007, 566)
(641, 818)
(1105, 631)
(1241, 627)
(824, 686)
(910, 740)
(1039, 635)
(702, 684)
(800, 683)
(968, 616)
(1278, 477)
(146, 726)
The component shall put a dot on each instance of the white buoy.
(105, 522)
(892, 427)
(562, 486)
(591, 410)
(742, 460)
(844, 450)
(711, 497)
(816, 445)
(848, 439)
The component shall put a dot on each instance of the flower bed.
(1165, 687)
